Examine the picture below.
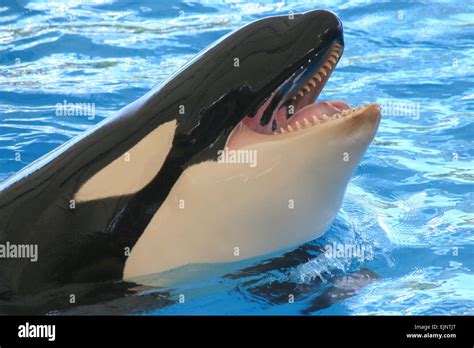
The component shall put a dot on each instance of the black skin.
(87, 244)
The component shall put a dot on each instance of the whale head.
(231, 157)
(265, 165)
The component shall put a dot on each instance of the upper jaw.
(312, 85)
(295, 113)
(298, 91)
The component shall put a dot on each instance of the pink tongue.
(317, 109)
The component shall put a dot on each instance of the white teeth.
(322, 73)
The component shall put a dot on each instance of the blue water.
(410, 202)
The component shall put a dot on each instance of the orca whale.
(146, 190)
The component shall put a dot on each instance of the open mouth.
(293, 106)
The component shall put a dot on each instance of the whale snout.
(364, 123)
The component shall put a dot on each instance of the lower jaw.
(312, 112)
(314, 115)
